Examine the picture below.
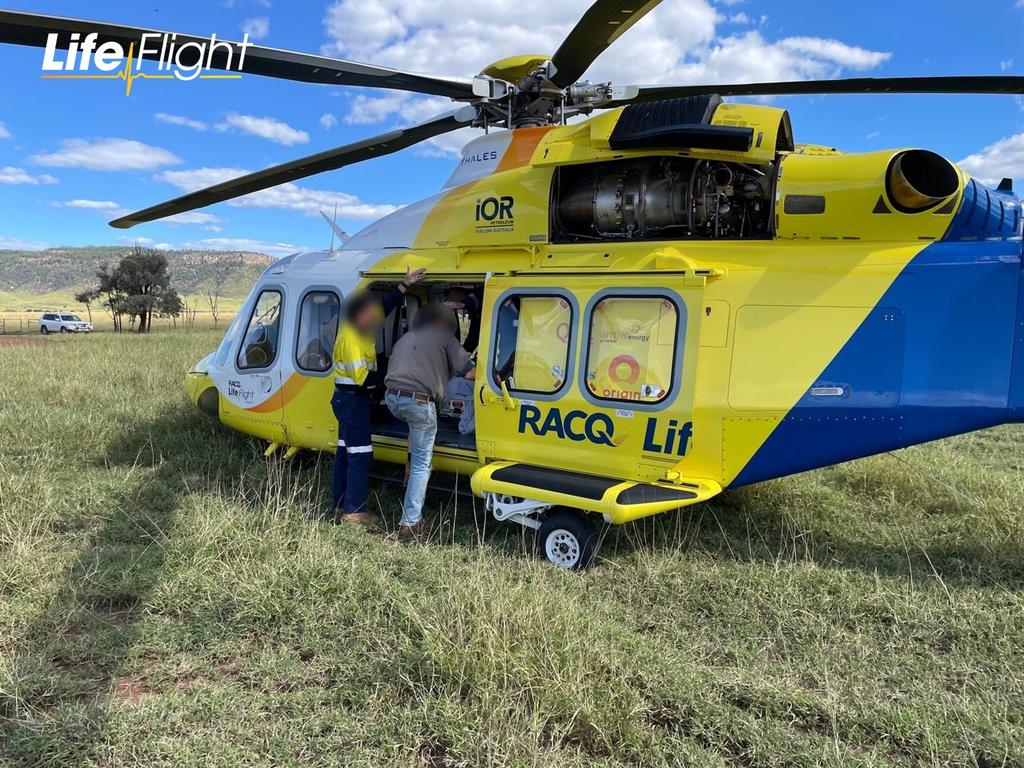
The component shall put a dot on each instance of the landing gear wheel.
(567, 540)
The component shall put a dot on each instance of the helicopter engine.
(663, 198)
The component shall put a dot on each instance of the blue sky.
(73, 154)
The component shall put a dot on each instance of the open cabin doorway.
(456, 432)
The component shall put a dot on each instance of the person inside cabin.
(355, 378)
(470, 302)
(421, 364)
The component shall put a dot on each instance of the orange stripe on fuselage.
(521, 148)
(291, 388)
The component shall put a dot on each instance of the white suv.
(62, 322)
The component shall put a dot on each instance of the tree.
(215, 285)
(87, 298)
(111, 295)
(140, 287)
(170, 305)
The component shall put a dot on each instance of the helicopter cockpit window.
(531, 343)
(631, 348)
(318, 326)
(259, 345)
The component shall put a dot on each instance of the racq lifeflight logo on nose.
(81, 57)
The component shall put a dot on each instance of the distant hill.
(63, 271)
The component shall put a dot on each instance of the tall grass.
(169, 597)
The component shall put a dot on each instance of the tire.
(63, 329)
(567, 540)
(44, 330)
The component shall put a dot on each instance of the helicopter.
(677, 298)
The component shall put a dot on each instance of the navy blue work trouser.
(355, 450)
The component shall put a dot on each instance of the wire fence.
(25, 323)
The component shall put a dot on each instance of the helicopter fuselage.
(661, 322)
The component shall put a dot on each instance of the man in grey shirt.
(421, 364)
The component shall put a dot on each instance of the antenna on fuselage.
(343, 236)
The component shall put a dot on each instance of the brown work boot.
(416, 532)
(360, 518)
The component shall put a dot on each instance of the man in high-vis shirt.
(355, 376)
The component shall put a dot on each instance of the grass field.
(169, 597)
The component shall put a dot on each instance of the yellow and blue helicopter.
(677, 297)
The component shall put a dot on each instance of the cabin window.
(259, 344)
(318, 326)
(631, 349)
(531, 343)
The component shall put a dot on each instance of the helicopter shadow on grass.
(70, 667)
(76, 662)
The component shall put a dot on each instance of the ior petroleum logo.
(89, 59)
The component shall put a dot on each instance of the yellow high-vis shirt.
(355, 356)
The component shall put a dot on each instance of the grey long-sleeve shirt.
(424, 361)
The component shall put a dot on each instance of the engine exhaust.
(918, 180)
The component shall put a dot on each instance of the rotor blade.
(600, 26)
(981, 84)
(349, 154)
(34, 29)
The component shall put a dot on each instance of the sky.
(76, 154)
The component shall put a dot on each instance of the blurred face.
(446, 321)
(368, 319)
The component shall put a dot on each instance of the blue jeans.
(355, 450)
(422, 421)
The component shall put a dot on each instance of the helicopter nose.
(203, 392)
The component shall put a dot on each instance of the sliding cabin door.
(577, 374)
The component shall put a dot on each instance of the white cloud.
(412, 109)
(4, 133)
(106, 155)
(289, 197)
(264, 127)
(678, 42)
(207, 221)
(256, 28)
(667, 45)
(91, 205)
(1004, 158)
(1006, 65)
(11, 175)
(245, 244)
(823, 52)
(187, 122)
(453, 38)
(739, 18)
(147, 242)
(109, 208)
(368, 110)
(15, 244)
(328, 121)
